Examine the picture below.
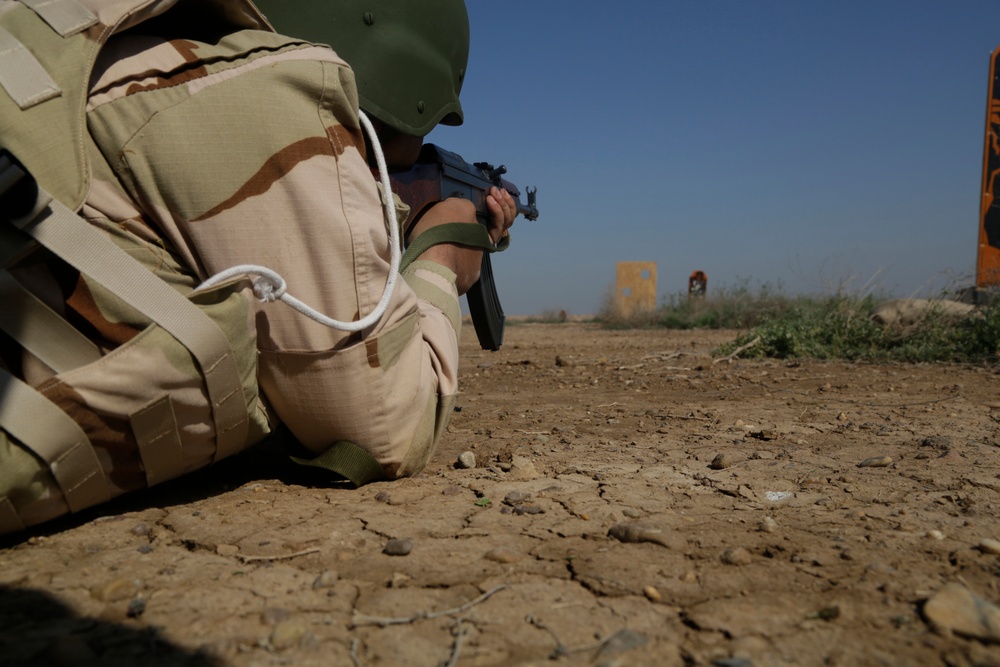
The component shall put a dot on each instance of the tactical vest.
(49, 463)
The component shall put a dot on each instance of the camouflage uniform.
(206, 155)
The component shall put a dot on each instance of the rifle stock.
(439, 174)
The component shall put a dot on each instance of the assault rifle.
(439, 174)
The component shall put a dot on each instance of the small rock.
(842, 417)
(937, 442)
(721, 461)
(767, 525)
(643, 532)
(398, 547)
(136, 607)
(880, 567)
(621, 641)
(957, 609)
(515, 498)
(326, 579)
(528, 509)
(288, 633)
(651, 593)
(118, 589)
(827, 613)
(228, 550)
(737, 556)
(988, 546)
(452, 490)
(633, 513)
(935, 535)
(400, 580)
(521, 467)
(876, 462)
(466, 461)
(140, 529)
(503, 555)
(383, 497)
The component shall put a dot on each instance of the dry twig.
(459, 636)
(701, 419)
(737, 351)
(251, 559)
(382, 621)
(354, 653)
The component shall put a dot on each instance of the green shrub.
(840, 328)
(828, 327)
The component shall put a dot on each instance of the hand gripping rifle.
(439, 174)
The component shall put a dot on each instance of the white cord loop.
(269, 290)
(269, 286)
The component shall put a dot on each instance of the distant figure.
(697, 284)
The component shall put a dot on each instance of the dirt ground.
(633, 502)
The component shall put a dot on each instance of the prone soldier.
(214, 146)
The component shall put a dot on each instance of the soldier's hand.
(503, 210)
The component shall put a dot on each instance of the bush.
(738, 307)
(840, 328)
(830, 327)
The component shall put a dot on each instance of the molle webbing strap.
(38, 329)
(67, 17)
(462, 233)
(347, 460)
(92, 253)
(46, 58)
(159, 440)
(53, 436)
(22, 76)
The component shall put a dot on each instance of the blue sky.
(813, 145)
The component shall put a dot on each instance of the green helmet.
(408, 56)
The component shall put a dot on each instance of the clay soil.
(633, 502)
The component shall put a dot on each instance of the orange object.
(988, 258)
(697, 284)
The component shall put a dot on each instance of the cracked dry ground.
(600, 526)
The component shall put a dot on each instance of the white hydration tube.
(269, 286)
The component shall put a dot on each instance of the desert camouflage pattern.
(208, 151)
